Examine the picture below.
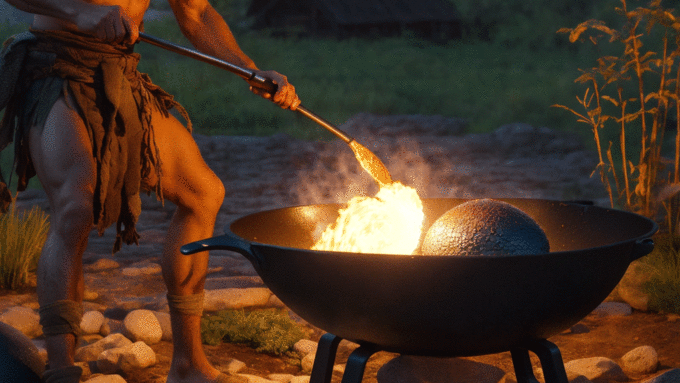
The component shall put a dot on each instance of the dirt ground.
(608, 337)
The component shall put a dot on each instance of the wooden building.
(432, 19)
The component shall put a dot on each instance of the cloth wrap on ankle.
(186, 304)
(70, 374)
(61, 317)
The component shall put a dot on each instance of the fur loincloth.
(115, 102)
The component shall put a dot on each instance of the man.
(96, 132)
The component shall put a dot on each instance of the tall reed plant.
(22, 236)
(636, 94)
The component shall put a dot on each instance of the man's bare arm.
(209, 33)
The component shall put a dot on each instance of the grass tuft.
(268, 331)
(663, 287)
(22, 236)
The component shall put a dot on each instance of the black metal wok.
(442, 305)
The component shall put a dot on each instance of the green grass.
(664, 286)
(268, 331)
(22, 236)
(488, 84)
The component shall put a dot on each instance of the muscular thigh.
(186, 178)
(62, 156)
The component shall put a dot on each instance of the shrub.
(22, 236)
(663, 287)
(268, 331)
(637, 94)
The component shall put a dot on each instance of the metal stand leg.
(551, 362)
(522, 364)
(356, 364)
(322, 371)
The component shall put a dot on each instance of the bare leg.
(198, 193)
(62, 156)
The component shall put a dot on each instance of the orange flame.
(389, 223)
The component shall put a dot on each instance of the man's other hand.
(108, 23)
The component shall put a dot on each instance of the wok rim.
(653, 229)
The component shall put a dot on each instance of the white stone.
(234, 298)
(166, 326)
(142, 325)
(147, 269)
(300, 379)
(107, 361)
(23, 319)
(305, 346)
(280, 378)
(90, 295)
(642, 360)
(106, 379)
(255, 379)
(612, 309)
(668, 376)
(105, 330)
(135, 356)
(234, 366)
(596, 369)
(307, 363)
(91, 352)
(92, 322)
(631, 287)
(101, 265)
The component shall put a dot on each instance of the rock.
(137, 355)
(668, 376)
(101, 265)
(142, 325)
(630, 288)
(90, 295)
(642, 360)
(300, 379)
(305, 346)
(127, 358)
(280, 378)
(91, 352)
(105, 330)
(255, 379)
(23, 319)
(106, 379)
(412, 369)
(88, 339)
(107, 361)
(612, 309)
(597, 369)
(307, 363)
(92, 322)
(144, 269)
(234, 366)
(166, 326)
(233, 298)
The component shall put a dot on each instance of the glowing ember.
(389, 223)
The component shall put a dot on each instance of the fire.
(389, 223)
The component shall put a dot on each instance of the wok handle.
(642, 248)
(223, 242)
